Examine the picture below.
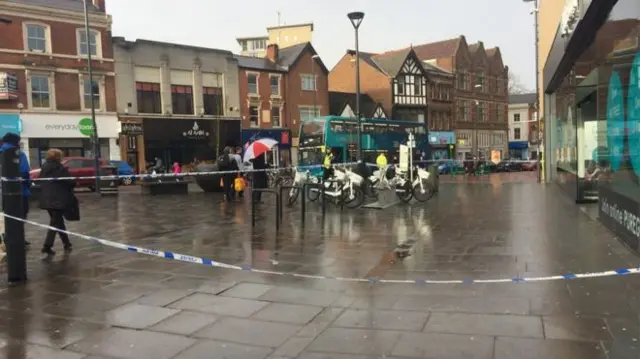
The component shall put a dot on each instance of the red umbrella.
(258, 147)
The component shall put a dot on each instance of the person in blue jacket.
(11, 141)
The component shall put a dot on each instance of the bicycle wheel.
(353, 198)
(406, 195)
(293, 195)
(313, 193)
(422, 194)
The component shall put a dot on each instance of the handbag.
(72, 212)
(239, 184)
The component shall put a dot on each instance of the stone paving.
(101, 303)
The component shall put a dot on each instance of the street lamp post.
(315, 84)
(539, 118)
(356, 20)
(96, 139)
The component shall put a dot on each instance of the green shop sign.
(85, 126)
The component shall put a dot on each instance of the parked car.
(507, 166)
(530, 166)
(80, 167)
(125, 171)
(448, 166)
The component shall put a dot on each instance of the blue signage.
(518, 145)
(442, 138)
(615, 121)
(10, 123)
(633, 115)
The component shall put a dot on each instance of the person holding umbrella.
(256, 154)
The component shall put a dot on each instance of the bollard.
(278, 205)
(303, 208)
(12, 205)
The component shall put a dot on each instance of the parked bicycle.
(398, 180)
(299, 180)
(345, 187)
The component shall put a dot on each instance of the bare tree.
(515, 85)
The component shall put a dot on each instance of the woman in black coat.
(56, 196)
(260, 179)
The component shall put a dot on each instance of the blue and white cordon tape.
(212, 263)
(148, 176)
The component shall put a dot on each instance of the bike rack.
(281, 192)
(278, 205)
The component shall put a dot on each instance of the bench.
(165, 187)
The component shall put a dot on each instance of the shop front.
(72, 134)
(442, 145)
(592, 86)
(519, 150)
(187, 141)
(281, 154)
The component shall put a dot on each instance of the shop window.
(212, 101)
(275, 116)
(148, 97)
(182, 99)
(40, 92)
(254, 116)
(91, 90)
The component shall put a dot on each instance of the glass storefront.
(593, 104)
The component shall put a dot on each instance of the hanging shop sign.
(8, 86)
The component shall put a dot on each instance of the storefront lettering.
(196, 132)
(84, 126)
(621, 216)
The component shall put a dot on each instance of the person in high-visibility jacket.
(381, 162)
(326, 164)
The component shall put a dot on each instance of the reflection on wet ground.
(104, 303)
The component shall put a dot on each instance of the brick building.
(285, 87)
(480, 94)
(45, 89)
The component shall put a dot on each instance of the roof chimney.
(273, 52)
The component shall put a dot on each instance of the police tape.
(372, 280)
(148, 176)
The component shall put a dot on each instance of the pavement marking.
(371, 280)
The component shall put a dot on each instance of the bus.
(340, 134)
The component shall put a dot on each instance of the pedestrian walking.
(57, 197)
(12, 141)
(176, 168)
(237, 157)
(260, 179)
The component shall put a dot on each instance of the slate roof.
(287, 57)
(391, 62)
(338, 101)
(436, 50)
(122, 42)
(525, 98)
(71, 5)
(258, 63)
(435, 68)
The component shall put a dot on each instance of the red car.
(81, 167)
(530, 166)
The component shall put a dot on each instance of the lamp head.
(356, 18)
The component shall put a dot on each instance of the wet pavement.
(106, 303)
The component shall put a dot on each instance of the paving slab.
(444, 346)
(507, 348)
(247, 290)
(132, 344)
(184, 323)
(136, 316)
(486, 324)
(250, 332)
(355, 341)
(213, 304)
(220, 350)
(382, 319)
(299, 296)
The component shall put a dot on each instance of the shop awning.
(518, 145)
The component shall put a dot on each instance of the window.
(401, 85)
(244, 46)
(212, 101)
(480, 80)
(259, 44)
(308, 83)
(252, 80)
(92, 43)
(307, 113)
(516, 133)
(275, 85)
(463, 114)
(91, 88)
(516, 117)
(462, 81)
(481, 112)
(40, 94)
(148, 96)
(182, 99)
(36, 38)
(275, 116)
(254, 116)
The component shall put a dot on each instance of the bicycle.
(345, 187)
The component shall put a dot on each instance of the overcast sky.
(387, 24)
